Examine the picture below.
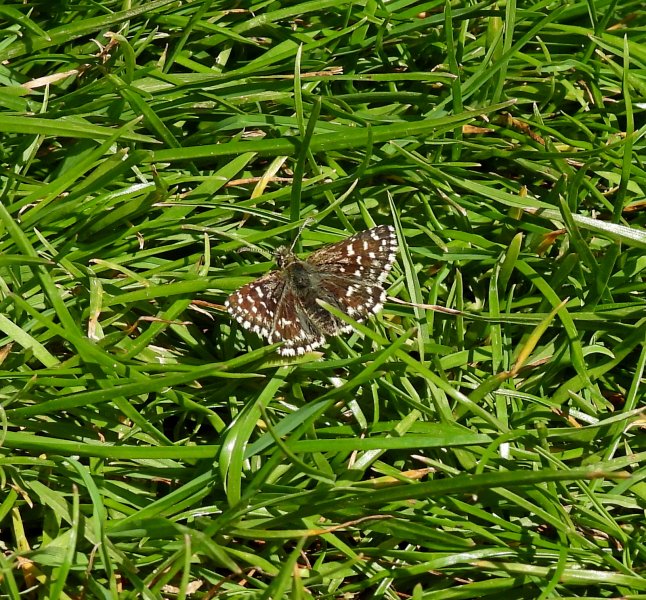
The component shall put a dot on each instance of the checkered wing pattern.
(368, 255)
(295, 326)
(256, 304)
(274, 310)
(282, 306)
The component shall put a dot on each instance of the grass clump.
(152, 449)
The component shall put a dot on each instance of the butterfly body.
(283, 304)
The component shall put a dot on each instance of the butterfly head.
(283, 256)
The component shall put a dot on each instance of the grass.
(151, 449)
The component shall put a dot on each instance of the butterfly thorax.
(298, 273)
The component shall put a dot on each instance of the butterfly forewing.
(256, 304)
(367, 255)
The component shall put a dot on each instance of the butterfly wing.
(356, 298)
(368, 255)
(271, 308)
(256, 304)
(294, 325)
(350, 274)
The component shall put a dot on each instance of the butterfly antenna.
(305, 223)
(256, 249)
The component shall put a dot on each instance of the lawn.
(481, 436)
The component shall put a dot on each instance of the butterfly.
(282, 306)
